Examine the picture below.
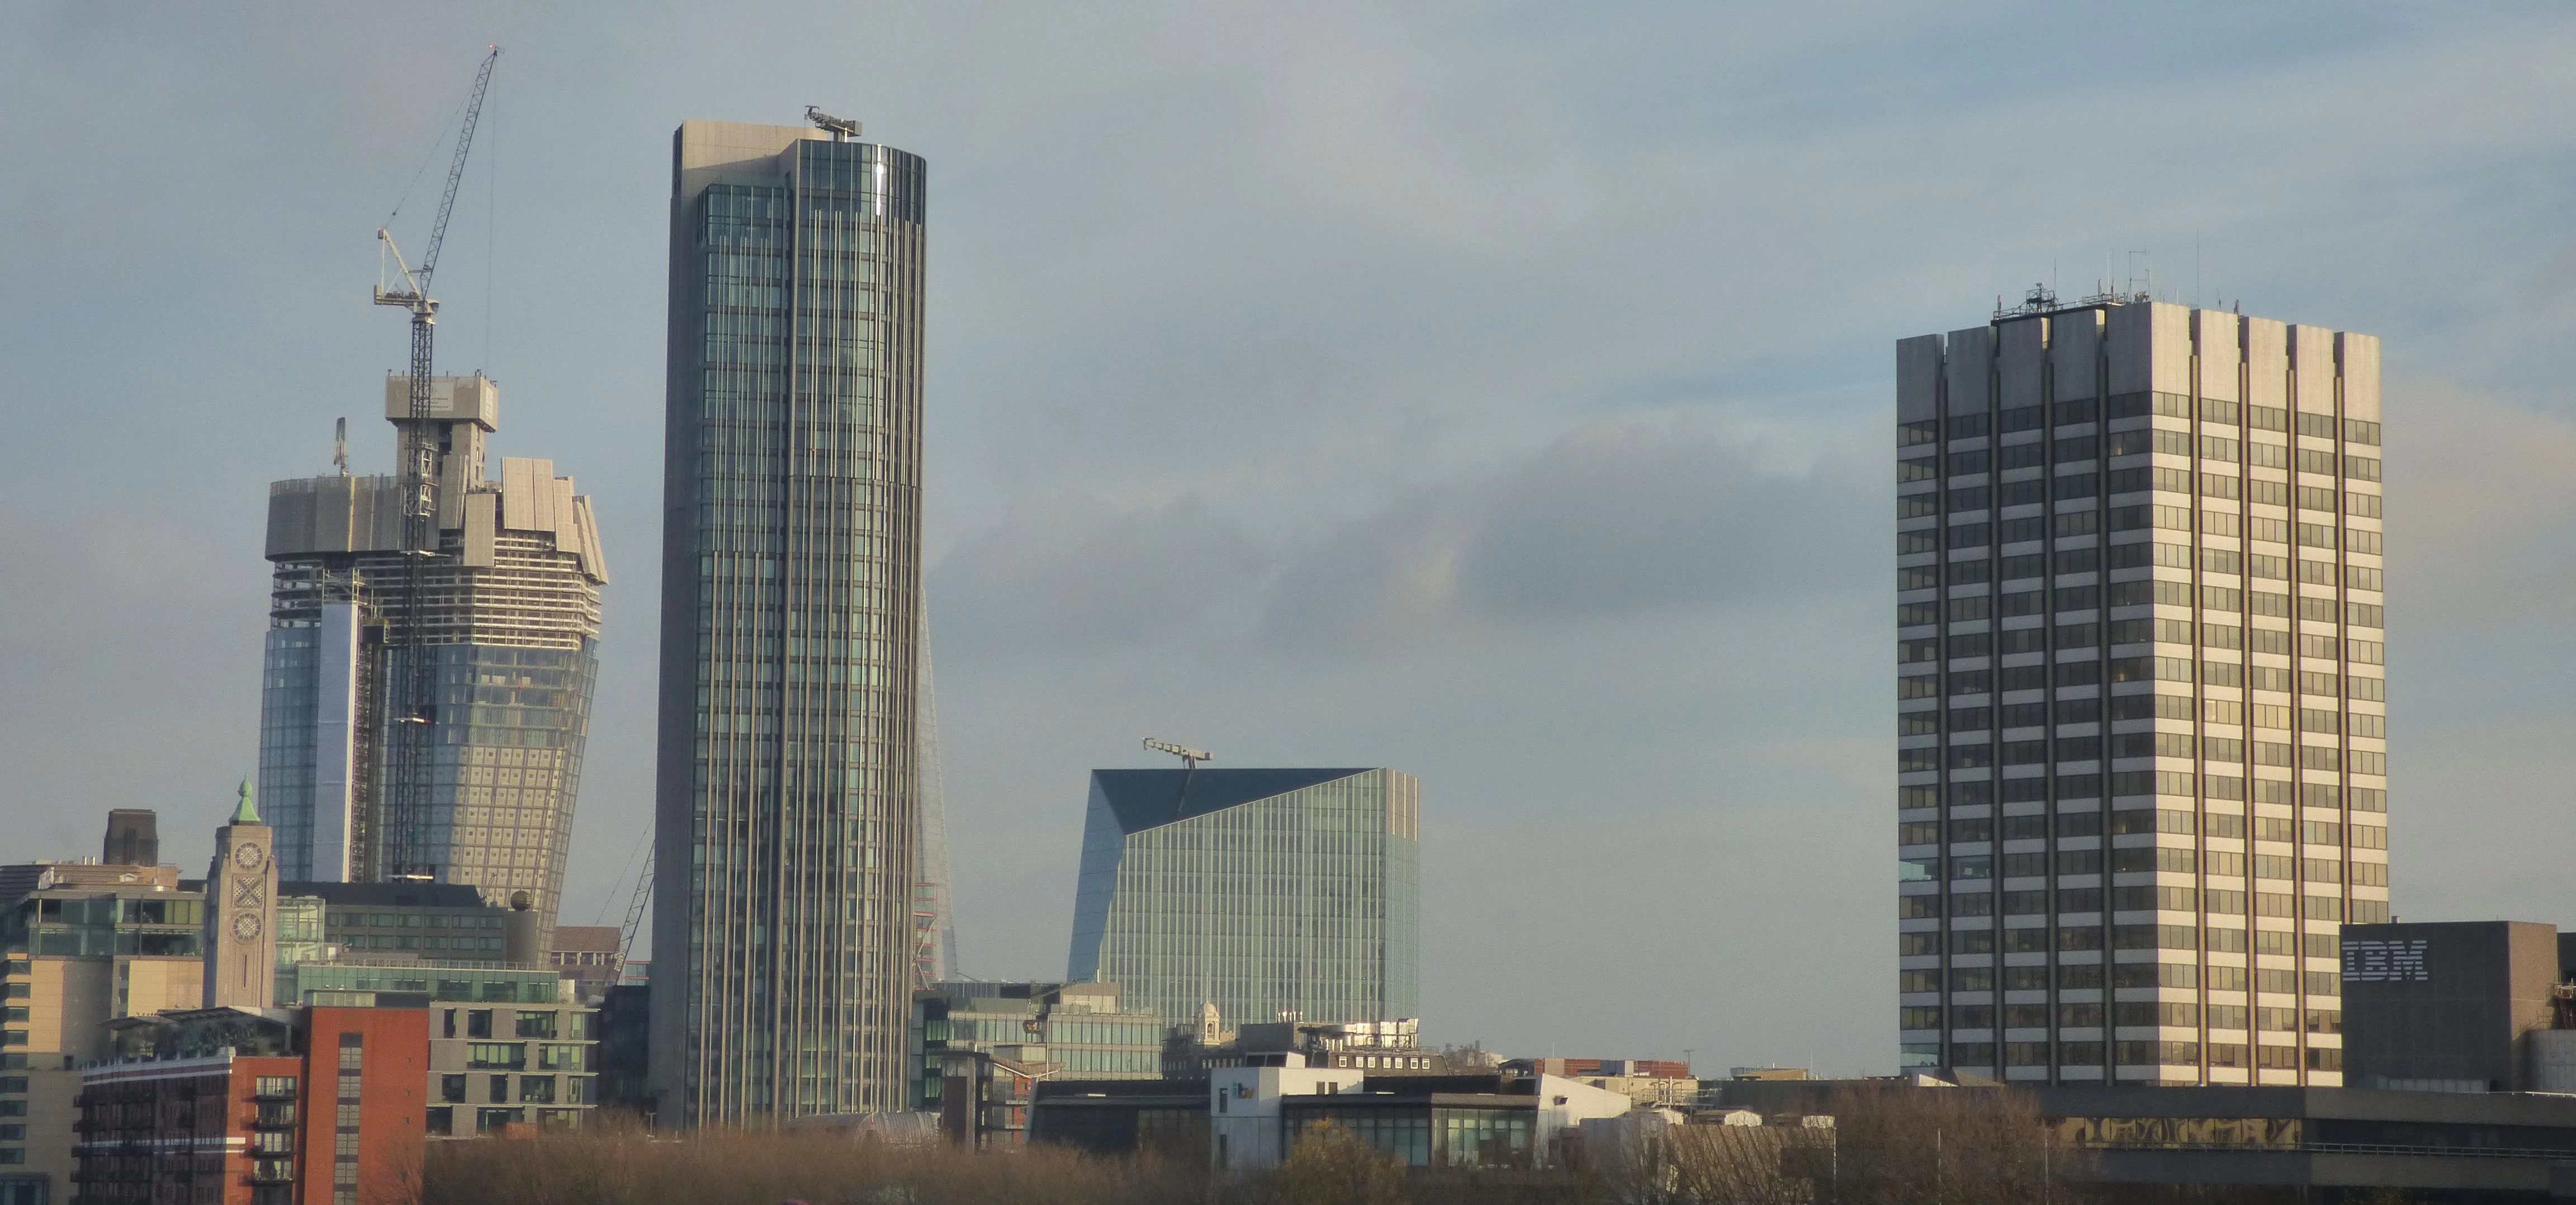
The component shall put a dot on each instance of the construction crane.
(635, 914)
(413, 705)
(839, 127)
(1190, 758)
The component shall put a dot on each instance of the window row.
(2089, 1015)
(2087, 788)
(1979, 535)
(2090, 597)
(2131, 821)
(2216, 863)
(2121, 974)
(1965, 902)
(2089, 937)
(2085, 711)
(2076, 411)
(2135, 1054)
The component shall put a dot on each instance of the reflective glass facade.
(505, 763)
(787, 813)
(1262, 891)
(509, 614)
(2142, 718)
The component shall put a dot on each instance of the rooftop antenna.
(839, 126)
(340, 445)
(1190, 758)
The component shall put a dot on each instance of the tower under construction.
(507, 621)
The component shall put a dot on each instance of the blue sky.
(1497, 392)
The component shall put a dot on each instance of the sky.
(1500, 392)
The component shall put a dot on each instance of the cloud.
(1635, 516)
(1074, 571)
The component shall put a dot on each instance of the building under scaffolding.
(509, 613)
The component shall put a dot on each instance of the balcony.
(272, 1171)
(274, 1114)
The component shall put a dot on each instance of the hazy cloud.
(1617, 518)
(1072, 571)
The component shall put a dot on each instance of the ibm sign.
(2372, 961)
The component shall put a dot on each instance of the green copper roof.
(243, 812)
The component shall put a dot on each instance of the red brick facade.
(329, 1113)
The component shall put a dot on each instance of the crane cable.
(427, 159)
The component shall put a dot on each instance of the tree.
(1332, 1166)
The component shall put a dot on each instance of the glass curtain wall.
(791, 629)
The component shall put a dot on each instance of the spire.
(244, 812)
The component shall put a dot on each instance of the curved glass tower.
(787, 811)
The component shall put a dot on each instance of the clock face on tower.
(247, 855)
(246, 926)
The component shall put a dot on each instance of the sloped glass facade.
(1266, 892)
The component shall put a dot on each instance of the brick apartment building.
(229, 1106)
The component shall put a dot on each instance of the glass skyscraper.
(2142, 735)
(510, 616)
(787, 813)
(1263, 892)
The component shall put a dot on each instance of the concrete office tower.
(1274, 894)
(787, 805)
(512, 618)
(2141, 744)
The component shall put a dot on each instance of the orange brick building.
(228, 1106)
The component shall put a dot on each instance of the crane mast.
(412, 705)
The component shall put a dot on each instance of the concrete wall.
(1244, 1132)
(1564, 1105)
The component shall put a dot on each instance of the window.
(478, 1023)
(511, 1055)
(451, 1088)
